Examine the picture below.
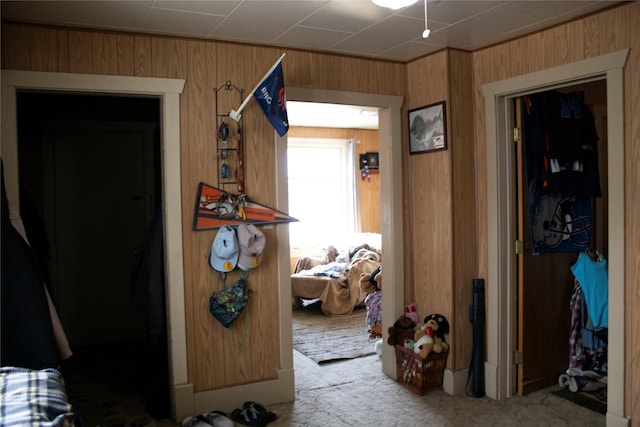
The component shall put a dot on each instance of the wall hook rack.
(229, 144)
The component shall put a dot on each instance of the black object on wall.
(475, 379)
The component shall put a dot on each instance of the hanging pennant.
(216, 208)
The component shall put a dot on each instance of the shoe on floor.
(197, 421)
(260, 411)
(246, 417)
(208, 419)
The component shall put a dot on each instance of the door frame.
(168, 91)
(501, 320)
(390, 149)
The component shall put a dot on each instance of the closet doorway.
(545, 281)
(501, 274)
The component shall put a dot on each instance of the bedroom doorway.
(391, 221)
(325, 191)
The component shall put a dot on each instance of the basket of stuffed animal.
(420, 366)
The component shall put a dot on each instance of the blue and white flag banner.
(270, 95)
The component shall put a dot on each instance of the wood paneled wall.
(213, 361)
(436, 184)
(428, 223)
(442, 219)
(589, 37)
(463, 194)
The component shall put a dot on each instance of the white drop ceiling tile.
(562, 11)
(534, 26)
(465, 39)
(214, 7)
(112, 14)
(317, 38)
(590, 8)
(550, 8)
(168, 21)
(450, 11)
(368, 30)
(509, 17)
(408, 51)
(263, 21)
(385, 35)
(434, 27)
(347, 15)
(488, 28)
(452, 39)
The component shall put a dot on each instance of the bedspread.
(339, 290)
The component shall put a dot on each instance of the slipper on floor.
(218, 419)
(208, 419)
(260, 411)
(247, 417)
(197, 421)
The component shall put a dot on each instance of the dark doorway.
(89, 171)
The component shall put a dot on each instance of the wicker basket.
(417, 374)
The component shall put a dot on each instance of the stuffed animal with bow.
(439, 327)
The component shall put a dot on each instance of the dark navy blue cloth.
(28, 340)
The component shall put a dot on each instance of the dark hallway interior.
(119, 367)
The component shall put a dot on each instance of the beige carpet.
(325, 339)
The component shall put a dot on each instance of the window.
(321, 177)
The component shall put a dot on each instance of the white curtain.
(322, 191)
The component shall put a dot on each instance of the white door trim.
(168, 91)
(501, 320)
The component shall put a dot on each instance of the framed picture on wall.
(428, 128)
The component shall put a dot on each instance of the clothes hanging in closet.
(593, 276)
(561, 170)
(588, 337)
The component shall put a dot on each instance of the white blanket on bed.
(333, 269)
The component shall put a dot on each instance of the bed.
(334, 278)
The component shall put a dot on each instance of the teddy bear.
(424, 342)
(401, 331)
(439, 327)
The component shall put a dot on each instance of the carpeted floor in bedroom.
(327, 339)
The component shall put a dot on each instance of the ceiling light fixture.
(394, 4)
(426, 31)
